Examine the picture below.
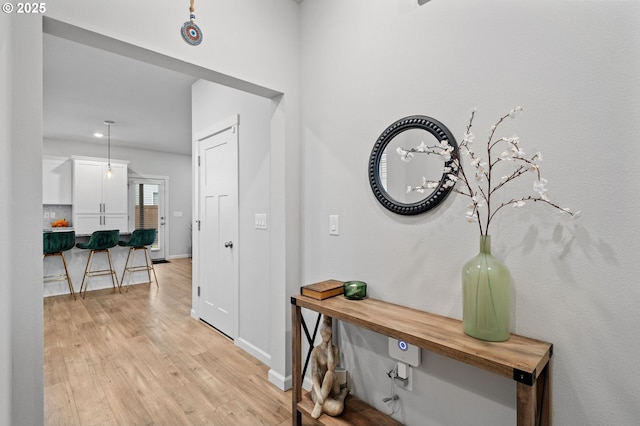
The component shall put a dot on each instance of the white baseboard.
(282, 382)
(253, 350)
(178, 256)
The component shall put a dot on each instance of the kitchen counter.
(67, 229)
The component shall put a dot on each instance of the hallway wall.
(574, 67)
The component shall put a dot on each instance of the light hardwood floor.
(138, 358)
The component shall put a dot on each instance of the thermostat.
(405, 352)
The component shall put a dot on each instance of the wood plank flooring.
(138, 358)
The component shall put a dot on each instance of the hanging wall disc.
(191, 33)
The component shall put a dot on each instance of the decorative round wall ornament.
(191, 33)
(390, 172)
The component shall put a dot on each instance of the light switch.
(261, 221)
(52, 215)
(334, 224)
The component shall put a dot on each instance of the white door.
(148, 209)
(218, 235)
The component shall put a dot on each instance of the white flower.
(540, 186)
(516, 152)
(476, 203)
(409, 189)
(515, 112)
(422, 147)
(471, 217)
(518, 203)
(537, 157)
(405, 156)
(445, 150)
(449, 183)
(533, 167)
(468, 138)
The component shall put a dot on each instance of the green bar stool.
(140, 239)
(100, 242)
(55, 244)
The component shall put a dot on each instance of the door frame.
(152, 179)
(216, 128)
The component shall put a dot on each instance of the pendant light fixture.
(109, 123)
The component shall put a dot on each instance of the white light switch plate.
(261, 221)
(334, 224)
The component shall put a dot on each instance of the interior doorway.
(148, 209)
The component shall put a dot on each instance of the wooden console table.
(525, 360)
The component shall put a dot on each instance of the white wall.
(573, 66)
(6, 274)
(141, 162)
(21, 324)
(213, 103)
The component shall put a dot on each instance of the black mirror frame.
(440, 132)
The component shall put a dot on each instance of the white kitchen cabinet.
(99, 202)
(56, 180)
(85, 224)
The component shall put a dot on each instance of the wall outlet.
(46, 215)
(402, 375)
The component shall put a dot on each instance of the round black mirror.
(410, 163)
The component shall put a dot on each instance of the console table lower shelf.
(527, 361)
(356, 412)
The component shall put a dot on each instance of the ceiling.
(84, 86)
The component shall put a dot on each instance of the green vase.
(486, 296)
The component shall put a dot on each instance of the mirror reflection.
(396, 175)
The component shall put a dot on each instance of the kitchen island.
(77, 262)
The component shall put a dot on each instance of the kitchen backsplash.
(52, 212)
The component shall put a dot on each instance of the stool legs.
(64, 276)
(147, 267)
(88, 272)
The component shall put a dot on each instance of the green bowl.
(355, 290)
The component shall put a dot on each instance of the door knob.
(228, 244)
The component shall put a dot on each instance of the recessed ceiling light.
(98, 135)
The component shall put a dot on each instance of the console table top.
(520, 358)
